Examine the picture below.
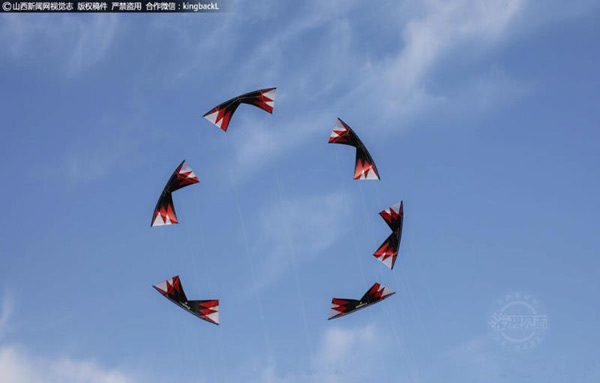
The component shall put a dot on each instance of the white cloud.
(398, 82)
(97, 160)
(262, 143)
(258, 146)
(391, 89)
(304, 225)
(97, 150)
(343, 355)
(401, 84)
(6, 313)
(73, 43)
(339, 345)
(18, 366)
(476, 361)
(94, 39)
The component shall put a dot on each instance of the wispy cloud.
(82, 41)
(389, 87)
(337, 350)
(97, 160)
(396, 82)
(94, 39)
(477, 362)
(19, 366)
(304, 225)
(264, 142)
(104, 146)
(400, 84)
(6, 312)
(343, 355)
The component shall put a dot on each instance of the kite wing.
(376, 293)
(388, 251)
(394, 215)
(207, 310)
(172, 290)
(221, 114)
(182, 177)
(164, 212)
(364, 168)
(342, 306)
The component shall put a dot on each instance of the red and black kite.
(164, 212)
(341, 306)
(388, 251)
(365, 168)
(207, 310)
(220, 115)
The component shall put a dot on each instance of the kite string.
(357, 254)
(409, 295)
(387, 309)
(367, 221)
(185, 267)
(406, 293)
(251, 267)
(294, 263)
(354, 234)
(208, 276)
(348, 211)
(180, 332)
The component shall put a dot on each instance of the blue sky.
(482, 116)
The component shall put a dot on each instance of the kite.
(207, 310)
(164, 212)
(341, 307)
(365, 168)
(388, 251)
(220, 115)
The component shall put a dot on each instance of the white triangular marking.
(158, 221)
(271, 94)
(371, 175)
(386, 292)
(214, 316)
(212, 117)
(387, 261)
(162, 286)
